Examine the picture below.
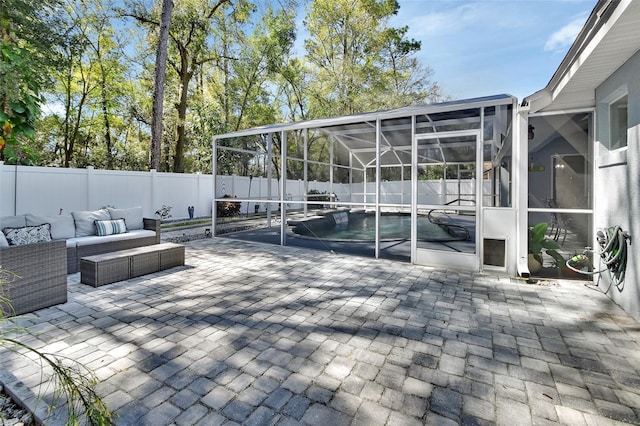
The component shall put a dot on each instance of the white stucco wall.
(617, 178)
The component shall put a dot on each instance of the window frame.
(622, 141)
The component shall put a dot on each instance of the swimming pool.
(361, 227)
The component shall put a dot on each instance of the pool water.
(392, 227)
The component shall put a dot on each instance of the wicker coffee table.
(121, 265)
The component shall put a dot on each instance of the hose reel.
(612, 243)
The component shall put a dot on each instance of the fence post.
(152, 184)
(89, 187)
(197, 200)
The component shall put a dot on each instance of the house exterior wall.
(617, 178)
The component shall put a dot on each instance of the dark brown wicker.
(41, 279)
(145, 263)
(171, 256)
(124, 264)
(105, 268)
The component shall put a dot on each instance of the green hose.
(613, 255)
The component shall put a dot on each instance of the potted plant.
(538, 242)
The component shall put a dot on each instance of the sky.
(488, 47)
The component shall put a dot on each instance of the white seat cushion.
(138, 233)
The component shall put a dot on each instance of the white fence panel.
(119, 189)
(42, 190)
(179, 191)
(49, 191)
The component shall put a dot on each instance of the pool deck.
(249, 333)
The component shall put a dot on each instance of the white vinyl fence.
(51, 191)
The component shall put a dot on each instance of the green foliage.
(164, 212)
(27, 37)
(227, 208)
(74, 385)
(98, 101)
(538, 242)
(231, 66)
(359, 62)
(316, 195)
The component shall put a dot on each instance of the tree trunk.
(105, 116)
(178, 159)
(158, 90)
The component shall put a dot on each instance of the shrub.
(164, 212)
(227, 208)
(315, 195)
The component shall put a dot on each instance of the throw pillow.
(3, 240)
(62, 227)
(133, 216)
(28, 234)
(85, 221)
(110, 227)
(13, 221)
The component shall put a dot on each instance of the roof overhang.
(607, 40)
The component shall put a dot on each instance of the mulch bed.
(11, 414)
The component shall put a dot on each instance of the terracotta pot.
(569, 273)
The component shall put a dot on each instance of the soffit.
(617, 40)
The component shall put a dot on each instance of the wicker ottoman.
(121, 265)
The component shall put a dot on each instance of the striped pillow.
(109, 227)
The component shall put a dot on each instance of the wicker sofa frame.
(41, 276)
(41, 269)
(75, 253)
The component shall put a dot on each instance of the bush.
(315, 195)
(227, 208)
(164, 212)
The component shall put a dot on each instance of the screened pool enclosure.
(427, 184)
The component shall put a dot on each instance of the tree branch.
(216, 7)
(139, 18)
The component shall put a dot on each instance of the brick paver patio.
(257, 334)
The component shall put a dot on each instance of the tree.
(90, 87)
(231, 66)
(158, 89)
(28, 40)
(407, 82)
(359, 62)
(190, 34)
(262, 57)
(93, 108)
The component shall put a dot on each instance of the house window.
(618, 123)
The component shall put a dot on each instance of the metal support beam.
(306, 169)
(214, 173)
(283, 189)
(520, 184)
(378, 186)
(269, 170)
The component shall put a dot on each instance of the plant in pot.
(538, 242)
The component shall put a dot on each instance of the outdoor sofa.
(42, 250)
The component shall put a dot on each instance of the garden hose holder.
(612, 249)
